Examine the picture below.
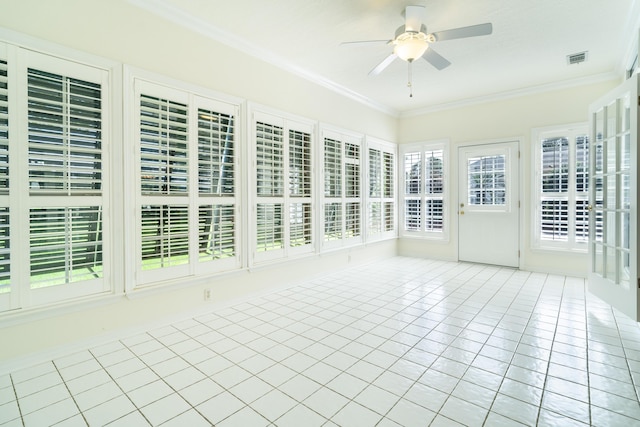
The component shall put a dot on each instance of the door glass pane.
(612, 121)
(610, 267)
(486, 183)
(623, 256)
(611, 191)
(611, 155)
(625, 154)
(610, 229)
(598, 258)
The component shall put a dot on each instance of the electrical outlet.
(207, 294)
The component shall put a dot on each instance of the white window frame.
(571, 132)
(287, 123)
(384, 226)
(195, 98)
(353, 139)
(20, 199)
(421, 148)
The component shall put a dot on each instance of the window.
(342, 198)
(486, 186)
(424, 174)
(381, 206)
(54, 180)
(283, 187)
(562, 161)
(187, 164)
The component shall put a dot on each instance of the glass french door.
(613, 198)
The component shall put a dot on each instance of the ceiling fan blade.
(414, 16)
(463, 32)
(366, 41)
(434, 58)
(384, 64)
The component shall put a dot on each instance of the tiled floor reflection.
(405, 342)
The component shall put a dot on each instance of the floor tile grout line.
(15, 394)
(547, 375)
(66, 386)
(104, 368)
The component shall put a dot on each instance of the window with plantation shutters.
(561, 166)
(65, 150)
(342, 198)
(54, 189)
(381, 196)
(187, 166)
(424, 167)
(283, 187)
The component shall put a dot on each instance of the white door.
(488, 204)
(613, 198)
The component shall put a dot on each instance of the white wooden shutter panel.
(216, 186)
(217, 233)
(299, 164)
(375, 192)
(216, 153)
(300, 176)
(554, 209)
(65, 159)
(5, 253)
(66, 245)
(269, 160)
(388, 190)
(165, 236)
(434, 190)
(163, 146)
(64, 133)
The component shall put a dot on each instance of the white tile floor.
(404, 342)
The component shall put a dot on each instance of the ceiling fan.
(412, 41)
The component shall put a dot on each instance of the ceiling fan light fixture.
(410, 45)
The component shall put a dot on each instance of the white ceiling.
(526, 51)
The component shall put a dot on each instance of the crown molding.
(180, 17)
(532, 90)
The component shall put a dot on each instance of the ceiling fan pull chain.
(410, 84)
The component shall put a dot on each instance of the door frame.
(519, 190)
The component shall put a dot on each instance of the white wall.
(120, 32)
(502, 119)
